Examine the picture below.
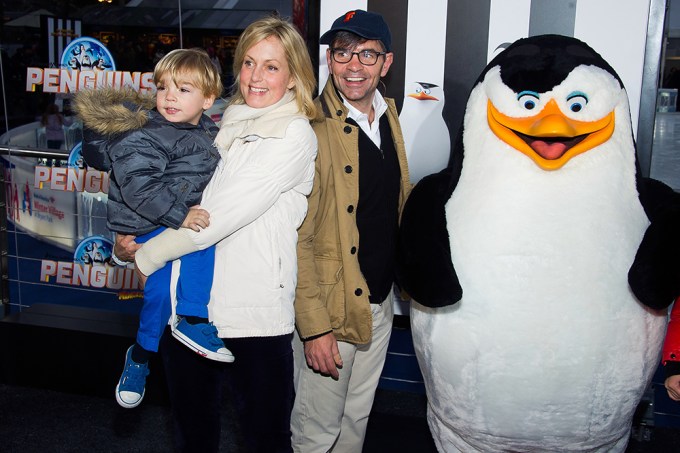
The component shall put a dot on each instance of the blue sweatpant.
(193, 293)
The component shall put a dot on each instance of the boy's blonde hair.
(297, 57)
(193, 64)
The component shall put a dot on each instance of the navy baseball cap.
(366, 24)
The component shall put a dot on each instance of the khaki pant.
(330, 415)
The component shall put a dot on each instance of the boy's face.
(182, 102)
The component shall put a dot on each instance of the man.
(347, 243)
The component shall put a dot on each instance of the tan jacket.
(332, 294)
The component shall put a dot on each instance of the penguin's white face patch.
(552, 127)
(596, 90)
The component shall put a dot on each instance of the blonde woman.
(257, 199)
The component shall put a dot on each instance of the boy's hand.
(196, 219)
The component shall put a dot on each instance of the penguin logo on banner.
(87, 54)
(94, 250)
(75, 157)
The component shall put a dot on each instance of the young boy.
(160, 160)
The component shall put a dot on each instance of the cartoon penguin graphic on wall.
(425, 133)
(540, 262)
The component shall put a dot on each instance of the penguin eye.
(427, 91)
(528, 99)
(418, 90)
(577, 101)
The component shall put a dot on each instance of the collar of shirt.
(373, 129)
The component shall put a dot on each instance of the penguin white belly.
(548, 350)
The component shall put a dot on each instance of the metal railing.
(39, 153)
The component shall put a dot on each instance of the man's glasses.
(366, 57)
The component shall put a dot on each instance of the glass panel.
(57, 245)
(665, 163)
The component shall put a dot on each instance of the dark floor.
(41, 420)
(57, 385)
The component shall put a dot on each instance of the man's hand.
(323, 355)
(196, 219)
(125, 247)
(673, 387)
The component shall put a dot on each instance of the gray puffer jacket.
(158, 168)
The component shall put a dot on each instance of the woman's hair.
(190, 65)
(297, 58)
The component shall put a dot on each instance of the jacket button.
(338, 112)
(348, 169)
(358, 292)
(350, 209)
(353, 251)
(347, 130)
(672, 356)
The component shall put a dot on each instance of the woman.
(256, 200)
(54, 121)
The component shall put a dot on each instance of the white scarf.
(238, 117)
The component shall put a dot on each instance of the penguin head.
(423, 92)
(551, 98)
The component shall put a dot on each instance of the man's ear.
(389, 56)
(329, 60)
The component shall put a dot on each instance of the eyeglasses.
(366, 57)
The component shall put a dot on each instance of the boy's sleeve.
(95, 150)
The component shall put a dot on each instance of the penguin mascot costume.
(539, 262)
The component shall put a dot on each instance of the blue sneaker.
(202, 338)
(130, 388)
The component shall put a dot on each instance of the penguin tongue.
(549, 151)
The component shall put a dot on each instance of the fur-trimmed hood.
(111, 111)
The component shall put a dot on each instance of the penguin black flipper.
(654, 276)
(424, 267)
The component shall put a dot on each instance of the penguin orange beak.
(422, 96)
(549, 138)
